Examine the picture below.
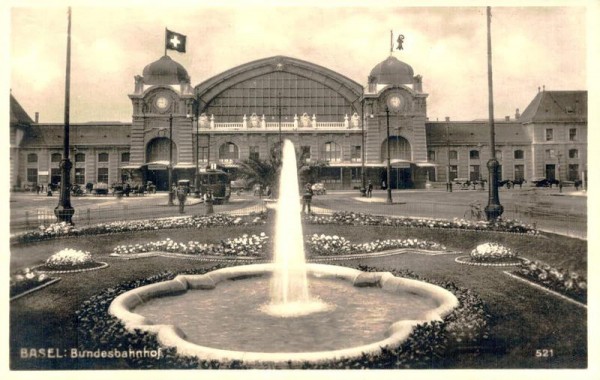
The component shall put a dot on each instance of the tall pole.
(448, 185)
(279, 118)
(64, 212)
(197, 178)
(363, 188)
(389, 162)
(170, 171)
(494, 209)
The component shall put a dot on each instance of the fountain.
(286, 311)
(289, 285)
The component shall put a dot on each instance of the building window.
(356, 174)
(431, 155)
(254, 153)
(519, 154)
(55, 157)
(572, 134)
(103, 157)
(573, 153)
(498, 154)
(550, 154)
(331, 175)
(32, 175)
(356, 153)
(32, 158)
(80, 157)
(453, 172)
(474, 173)
(80, 176)
(228, 152)
(203, 154)
(519, 172)
(103, 175)
(549, 134)
(305, 153)
(474, 154)
(573, 173)
(55, 176)
(331, 152)
(453, 155)
(125, 157)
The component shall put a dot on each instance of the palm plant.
(266, 172)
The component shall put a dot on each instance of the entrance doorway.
(400, 178)
(159, 177)
(551, 171)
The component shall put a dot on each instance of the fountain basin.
(123, 307)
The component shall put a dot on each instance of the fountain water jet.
(289, 286)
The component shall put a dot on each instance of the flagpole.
(391, 42)
(165, 42)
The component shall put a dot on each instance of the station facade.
(334, 121)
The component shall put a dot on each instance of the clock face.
(162, 103)
(394, 103)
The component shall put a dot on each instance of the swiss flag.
(174, 41)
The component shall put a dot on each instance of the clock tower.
(162, 131)
(395, 94)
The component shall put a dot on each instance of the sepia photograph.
(292, 186)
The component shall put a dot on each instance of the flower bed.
(490, 254)
(568, 283)
(430, 345)
(64, 229)
(28, 280)
(360, 219)
(70, 260)
(324, 245)
(242, 246)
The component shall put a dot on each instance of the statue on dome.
(400, 41)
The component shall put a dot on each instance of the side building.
(334, 121)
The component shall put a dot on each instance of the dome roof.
(393, 71)
(165, 71)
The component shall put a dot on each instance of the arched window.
(519, 155)
(80, 157)
(399, 149)
(103, 157)
(229, 152)
(32, 158)
(331, 152)
(55, 157)
(158, 149)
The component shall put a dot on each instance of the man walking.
(181, 196)
(307, 198)
(370, 190)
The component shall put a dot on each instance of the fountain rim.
(171, 336)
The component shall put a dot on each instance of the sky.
(532, 47)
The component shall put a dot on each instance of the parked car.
(319, 189)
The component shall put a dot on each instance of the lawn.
(524, 319)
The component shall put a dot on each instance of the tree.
(266, 172)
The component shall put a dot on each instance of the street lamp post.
(363, 188)
(389, 162)
(170, 168)
(494, 209)
(558, 173)
(64, 211)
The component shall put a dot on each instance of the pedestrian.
(370, 190)
(450, 186)
(307, 198)
(37, 189)
(181, 196)
(383, 187)
(208, 202)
